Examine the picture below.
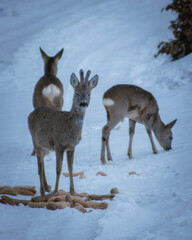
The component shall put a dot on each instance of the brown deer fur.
(60, 131)
(49, 89)
(138, 105)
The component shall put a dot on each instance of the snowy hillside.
(117, 41)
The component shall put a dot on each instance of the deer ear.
(59, 54)
(93, 82)
(74, 80)
(43, 54)
(171, 124)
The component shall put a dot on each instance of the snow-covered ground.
(117, 41)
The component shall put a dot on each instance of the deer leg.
(105, 144)
(40, 162)
(131, 134)
(105, 138)
(59, 161)
(108, 149)
(107, 141)
(152, 142)
(103, 147)
(70, 157)
(47, 187)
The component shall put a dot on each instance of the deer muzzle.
(167, 148)
(83, 105)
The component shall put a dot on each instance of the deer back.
(129, 101)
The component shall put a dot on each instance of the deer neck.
(78, 115)
(158, 126)
(49, 69)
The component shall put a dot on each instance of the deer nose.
(168, 148)
(83, 104)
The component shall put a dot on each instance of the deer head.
(165, 136)
(82, 89)
(50, 63)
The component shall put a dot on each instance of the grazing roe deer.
(60, 131)
(140, 106)
(49, 89)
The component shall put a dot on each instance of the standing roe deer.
(138, 105)
(49, 89)
(60, 131)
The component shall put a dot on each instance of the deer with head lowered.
(59, 131)
(49, 89)
(140, 106)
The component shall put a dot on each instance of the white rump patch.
(108, 102)
(51, 91)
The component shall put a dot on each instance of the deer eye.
(77, 94)
(89, 94)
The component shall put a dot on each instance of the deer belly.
(51, 91)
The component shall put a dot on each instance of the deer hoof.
(130, 156)
(47, 188)
(72, 192)
(103, 161)
(109, 158)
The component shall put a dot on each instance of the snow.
(117, 41)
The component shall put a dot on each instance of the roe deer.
(138, 105)
(49, 89)
(60, 131)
